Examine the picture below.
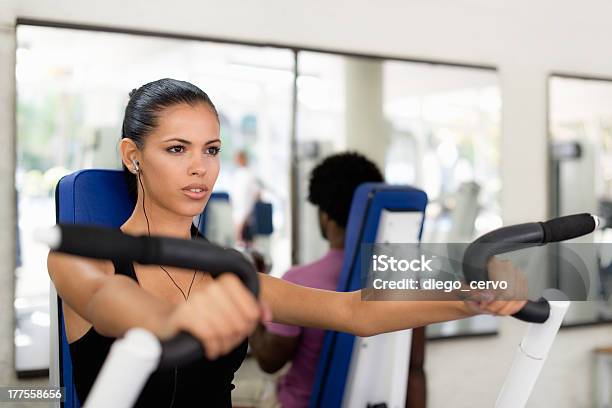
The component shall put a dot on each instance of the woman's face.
(180, 161)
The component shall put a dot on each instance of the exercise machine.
(376, 207)
(134, 357)
(545, 315)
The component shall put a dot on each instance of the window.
(580, 125)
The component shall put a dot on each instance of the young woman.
(169, 148)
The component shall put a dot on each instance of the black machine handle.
(515, 237)
(111, 243)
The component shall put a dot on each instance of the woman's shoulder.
(57, 262)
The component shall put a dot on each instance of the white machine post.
(530, 357)
(129, 363)
(378, 372)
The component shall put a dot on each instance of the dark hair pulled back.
(145, 106)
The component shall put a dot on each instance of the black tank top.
(203, 383)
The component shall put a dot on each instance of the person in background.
(244, 194)
(332, 185)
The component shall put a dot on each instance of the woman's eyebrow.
(187, 142)
(176, 139)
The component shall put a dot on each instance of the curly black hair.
(334, 181)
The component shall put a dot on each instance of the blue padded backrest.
(368, 202)
(98, 197)
(221, 196)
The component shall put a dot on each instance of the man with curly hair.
(332, 186)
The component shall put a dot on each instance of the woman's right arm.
(111, 303)
(220, 315)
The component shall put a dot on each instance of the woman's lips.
(194, 195)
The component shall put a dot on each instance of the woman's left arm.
(345, 311)
(307, 307)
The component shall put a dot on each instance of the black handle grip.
(515, 237)
(499, 241)
(568, 227)
(180, 350)
(108, 243)
(502, 240)
(534, 312)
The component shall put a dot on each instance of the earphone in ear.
(136, 163)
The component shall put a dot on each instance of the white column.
(7, 198)
(366, 129)
(524, 145)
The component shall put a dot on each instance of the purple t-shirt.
(294, 388)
